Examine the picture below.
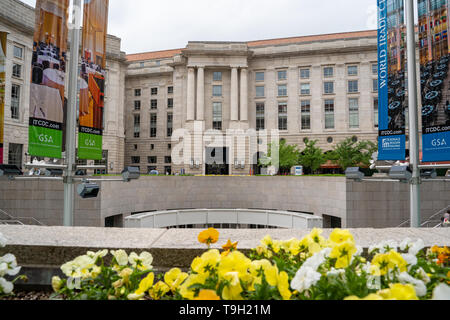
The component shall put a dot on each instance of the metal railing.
(6, 218)
(433, 222)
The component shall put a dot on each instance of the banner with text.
(434, 79)
(92, 82)
(392, 100)
(3, 36)
(47, 100)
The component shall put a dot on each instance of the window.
(282, 75)
(282, 116)
(352, 70)
(217, 115)
(330, 140)
(306, 114)
(329, 114)
(18, 52)
(169, 124)
(304, 73)
(259, 76)
(170, 90)
(260, 116)
(328, 72)
(375, 112)
(168, 159)
(15, 154)
(168, 170)
(17, 70)
(15, 101)
(374, 68)
(217, 76)
(154, 104)
(353, 113)
(169, 146)
(137, 125)
(137, 92)
(142, 64)
(137, 105)
(282, 90)
(328, 87)
(375, 85)
(154, 91)
(152, 147)
(135, 147)
(352, 86)
(170, 103)
(217, 91)
(305, 88)
(153, 124)
(135, 160)
(260, 92)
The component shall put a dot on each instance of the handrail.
(12, 218)
(11, 222)
(430, 219)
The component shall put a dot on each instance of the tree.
(287, 156)
(312, 157)
(350, 153)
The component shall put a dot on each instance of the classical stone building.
(320, 87)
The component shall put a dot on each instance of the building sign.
(391, 80)
(3, 36)
(434, 78)
(47, 100)
(92, 82)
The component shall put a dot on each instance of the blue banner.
(434, 79)
(391, 80)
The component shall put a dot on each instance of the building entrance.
(216, 161)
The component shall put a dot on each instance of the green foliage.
(287, 156)
(312, 157)
(349, 153)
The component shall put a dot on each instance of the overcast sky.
(145, 25)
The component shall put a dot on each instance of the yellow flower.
(262, 250)
(399, 291)
(267, 241)
(185, 290)
(383, 262)
(125, 275)
(283, 285)
(174, 278)
(144, 285)
(229, 246)
(206, 295)
(208, 236)
(233, 289)
(343, 252)
(235, 261)
(308, 243)
(206, 262)
(315, 235)
(96, 270)
(371, 296)
(260, 267)
(159, 290)
(339, 235)
(56, 283)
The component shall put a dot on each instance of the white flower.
(416, 247)
(5, 286)
(335, 272)
(410, 259)
(384, 246)
(145, 259)
(441, 292)
(121, 257)
(317, 259)
(98, 254)
(405, 244)
(3, 241)
(305, 278)
(423, 275)
(3, 268)
(419, 285)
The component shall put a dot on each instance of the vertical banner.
(92, 82)
(391, 80)
(48, 78)
(3, 36)
(434, 79)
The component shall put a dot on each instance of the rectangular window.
(170, 90)
(304, 73)
(259, 76)
(169, 124)
(375, 112)
(153, 124)
(152, 159)
(154, 91)
(328, 87)
(15, 154)
(374, 68)
(329, 114)
(137, 105)
(15, 101)
(137, 92)
(18, 52)
(260, 91)
(217, 91)
(282, 116)
(217, 76)
(282, 75)
(170, 103)
(17, 70)
(137, 125)
(306, 114)
(260, 116)
(154, 104)
(352, 70)
(135, 160)
(353, 113)
(328, 72)
(282, 90)
(375, 85)
(352, 86)
(217, 115)
(168, 159)
(305, 88)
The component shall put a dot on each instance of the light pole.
(414, 159)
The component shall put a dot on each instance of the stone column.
(200, 94)
(244, 95)
(234, 103)
(191, 95)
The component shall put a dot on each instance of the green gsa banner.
(92, 82)
(47, 100)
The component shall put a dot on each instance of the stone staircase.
(7, 219)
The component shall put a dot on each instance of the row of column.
(234, 101)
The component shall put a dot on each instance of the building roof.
(269, 42)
